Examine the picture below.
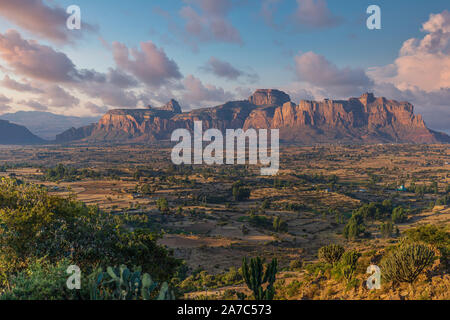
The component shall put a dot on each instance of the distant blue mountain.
(45, 124)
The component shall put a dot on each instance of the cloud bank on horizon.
(204, 52)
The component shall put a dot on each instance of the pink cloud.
(316, 70)
(197, 94)
(150, 64)
(421, 73)
(34, 60)
(40, 19)
(314, 14)
(12, 84)
(209, 23)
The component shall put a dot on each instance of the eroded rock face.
(172, 106)
(366, 119)
(269, 97)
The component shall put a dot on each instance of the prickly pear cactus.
(123, 284)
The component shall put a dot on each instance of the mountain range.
(367, 119)
(47, 125)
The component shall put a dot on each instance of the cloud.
(42, 20)
(209, 22)
(223, 69)
(421, 73)
(425, 63)
(314, 14)
(149, 64)
(55, 96)
(109, 94)
(95, 109)
(56, 73)
(33, 104)
(4, 108)
(34, 60)
(4, 99)
(197, 94)
(121, 79)
(12, 84)
(316, 70)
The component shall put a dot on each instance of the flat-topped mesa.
(268, 97)
(367, 119)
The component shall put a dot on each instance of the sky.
(131, 54)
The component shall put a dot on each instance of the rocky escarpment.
(366, 119)
(13, 134)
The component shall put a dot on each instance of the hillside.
(45, 124)
(11, 134)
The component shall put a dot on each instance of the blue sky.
(266, 42)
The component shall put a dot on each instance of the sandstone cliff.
(358, 120)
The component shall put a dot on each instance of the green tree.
(398, 215)
(355, 226)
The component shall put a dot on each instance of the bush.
(279, 225)
(295, 265)
(34, 225)
(347, 266)
(437, 236)
(398, 215)
(431, 234)
(350, 258)
(331, 253)
(387, 229)
(406, 262)
(240, 193)
(162, 205)
(41, 281)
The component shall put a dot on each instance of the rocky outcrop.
(13, 134)
(366, 119)
(172, 106)
(75, 134)
(269, 97)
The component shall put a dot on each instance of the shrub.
(406, 262)
(437, 236)
(41, 281)
(350, 258)
(431, 234)
(331, 253)
(240, 193)
(347, 266)
(162, 205)
(387, 229)
(398, 215)
(279, 225)
(295, 265)
(34, 224)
